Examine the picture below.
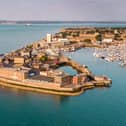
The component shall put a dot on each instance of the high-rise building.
(49, 37)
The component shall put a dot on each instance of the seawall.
(63, 91)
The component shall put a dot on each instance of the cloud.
(63, 10)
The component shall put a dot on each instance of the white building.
(49, 37)
(107, 40)
(64, 40)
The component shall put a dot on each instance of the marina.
(113, 53)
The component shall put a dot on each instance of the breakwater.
(80, 68)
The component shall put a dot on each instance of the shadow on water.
(58, 99)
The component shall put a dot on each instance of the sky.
(63, 10)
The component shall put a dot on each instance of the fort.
(54, 82)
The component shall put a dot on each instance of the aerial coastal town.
(109, 43)
(36, 66)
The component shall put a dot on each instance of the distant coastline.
(47, 22)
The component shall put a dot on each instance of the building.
(1, 59)
(60, 77)
(65, 41)
(19, 60)
(79, 79)
(14, 73)
(63, 79)
(107, 40)
(85, 36)
(51, 52)
(109, 35)
(49, 38)
(57, 44)
(25, 53)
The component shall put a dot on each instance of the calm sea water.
(97, 107)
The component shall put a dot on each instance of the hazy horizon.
(102, 21)
(63, 10)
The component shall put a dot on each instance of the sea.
(95, 107)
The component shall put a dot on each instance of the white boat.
(28, 24)
(94, 54)
(108, 59)
(72, 49)
(123, 64)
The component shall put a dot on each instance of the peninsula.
(35, 67)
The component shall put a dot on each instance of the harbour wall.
(26, 85)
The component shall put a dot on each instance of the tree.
(98, 37)
(75, 34)
(87, 40)
(117, 37)
(43, 58)
(29, 46)
(64, 34)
